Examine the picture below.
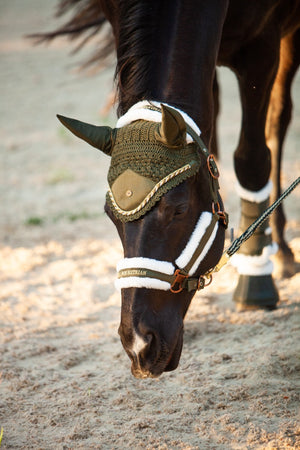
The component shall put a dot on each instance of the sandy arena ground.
(65, 381)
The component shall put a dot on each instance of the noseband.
(153, 274)
(150, 273)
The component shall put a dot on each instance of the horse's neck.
(168, 53)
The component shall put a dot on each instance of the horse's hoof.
(242, 307)
(255, 292)
(284, 265)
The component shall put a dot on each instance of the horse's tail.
(86, 21)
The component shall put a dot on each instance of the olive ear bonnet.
(99, 137)
(147, 159)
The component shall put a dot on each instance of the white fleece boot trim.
(255, 265)
(254, 196)
(139, 111)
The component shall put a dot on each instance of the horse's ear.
(172, 131)
(99, 137)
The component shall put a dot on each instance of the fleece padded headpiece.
(147, 159)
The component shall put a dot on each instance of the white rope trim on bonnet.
(254, 196)
(139, 111)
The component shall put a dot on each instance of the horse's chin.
(174, 361)
(170, 364)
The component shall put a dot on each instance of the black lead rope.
(251, 229)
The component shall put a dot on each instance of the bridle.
(163, 275)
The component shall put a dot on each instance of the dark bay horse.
(164, 197)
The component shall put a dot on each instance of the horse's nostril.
(141, 343)
(149, 338)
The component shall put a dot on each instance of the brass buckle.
(216, 208)
(202, 283)
(212, 167)
(179, 278)
(209, 279)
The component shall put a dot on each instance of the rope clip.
(180, 277)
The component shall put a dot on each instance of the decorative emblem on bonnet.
(147, 159)
(141, 197)
(130, 189)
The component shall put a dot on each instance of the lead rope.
(234, 247)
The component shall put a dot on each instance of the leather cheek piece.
(130, 189)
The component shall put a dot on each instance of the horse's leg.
(255, 66)
(214, 147)
(279, 116)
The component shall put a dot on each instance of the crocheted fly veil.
(147, 159)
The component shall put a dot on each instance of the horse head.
(163, 198)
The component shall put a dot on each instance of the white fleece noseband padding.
(200, 229)
(144, 263)
(165, 266)
(137, 282)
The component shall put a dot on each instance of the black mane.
(134, 53)
(86, 20)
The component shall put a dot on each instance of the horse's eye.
(181, 209)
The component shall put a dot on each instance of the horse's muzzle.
(156, 357)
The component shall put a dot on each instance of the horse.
(164, 196)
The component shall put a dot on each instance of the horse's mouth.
(170, 363)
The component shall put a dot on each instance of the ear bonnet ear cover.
(143, 167)
(100, 137)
